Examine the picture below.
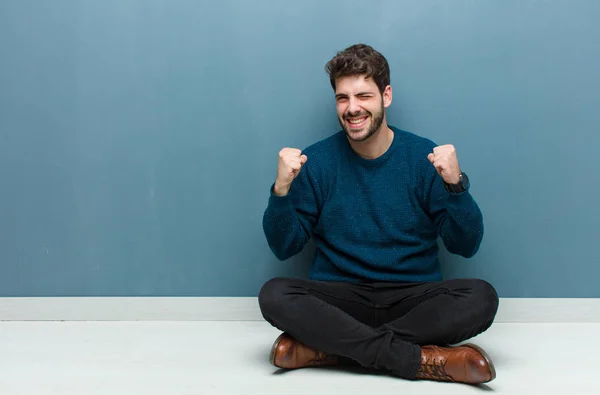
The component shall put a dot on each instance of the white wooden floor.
(88, 358)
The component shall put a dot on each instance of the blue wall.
(138, 138)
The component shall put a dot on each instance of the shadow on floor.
(356, 370)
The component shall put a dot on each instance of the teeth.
(356, 121)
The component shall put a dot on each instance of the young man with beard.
(375, 199)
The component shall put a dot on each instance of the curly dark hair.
(359, 59)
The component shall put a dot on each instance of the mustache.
(356, 114)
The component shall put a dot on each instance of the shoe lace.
(434, 370)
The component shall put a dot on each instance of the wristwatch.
(462, 185)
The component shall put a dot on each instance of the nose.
(353, 106)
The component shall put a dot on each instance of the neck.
(376, 145)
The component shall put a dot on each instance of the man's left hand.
(445, 161)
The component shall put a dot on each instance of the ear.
(387, 96)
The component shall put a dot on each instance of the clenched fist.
(445, 161)
(290, 163)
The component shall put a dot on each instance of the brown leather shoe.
(288, 353)
(467, 363)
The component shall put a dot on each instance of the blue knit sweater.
(372, 219)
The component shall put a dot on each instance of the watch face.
(461, 186)
(464, 181)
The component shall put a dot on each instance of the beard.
(376, 121)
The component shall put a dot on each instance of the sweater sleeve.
(457, 217)
(288, 221)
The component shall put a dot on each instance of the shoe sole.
(486, 357)
(274, 349)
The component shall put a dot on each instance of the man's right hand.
(290, 163)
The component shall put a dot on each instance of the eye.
(341, 99)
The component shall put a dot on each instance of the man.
(375, 199)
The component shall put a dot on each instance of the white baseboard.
(129, 309)
(512, 310)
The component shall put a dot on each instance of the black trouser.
(379, 325)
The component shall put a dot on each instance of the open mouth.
(357, 123)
